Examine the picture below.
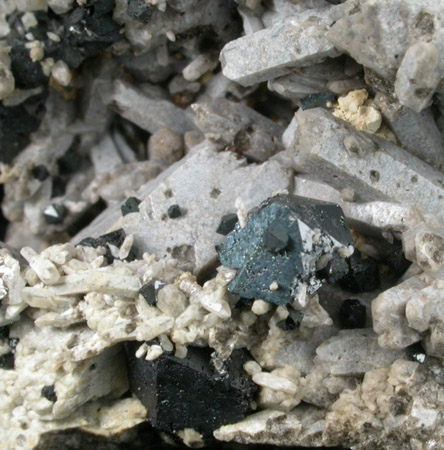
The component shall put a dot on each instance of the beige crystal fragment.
(354, 352)
(165, 146)
(303, 426)
(424, 244)
(252, 367)
(61, 73)
(117, 417)
(60, 6)
(199, 66)
(98, 280)
(44, 268)
(355, 108)
(191, 438)
(260, 307)
(388, 312)
(275, 382)
(171, 301)
(396, 403)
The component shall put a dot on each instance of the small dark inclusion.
(352, 314)
(131, 205)
(363, 275)
(174, 211)
(49, 393)
(227, 224)
(58, 218)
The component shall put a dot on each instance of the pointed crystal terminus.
(280, 249)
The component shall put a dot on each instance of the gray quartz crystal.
(373, 168)
(248, 132)
(284, 46)
(417, 132)
(149, 114)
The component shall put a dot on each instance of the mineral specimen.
(281, 246)
(177, 182)
(191, 392)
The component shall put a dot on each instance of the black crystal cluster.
(84, 32)
(191, 392)
(114, 238)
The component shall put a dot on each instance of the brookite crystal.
(286, 239)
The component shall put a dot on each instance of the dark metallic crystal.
(248, 249)
(131, 205)
(363, 275)
(174, 212)
(227, 224)
(191, 392)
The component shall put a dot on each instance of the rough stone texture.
(75, 384)
(374, 169)
(395, 402)
(370, 217)
(418, 76)
(377, 34)
(165, 146)
(329, 75)
(416, 132)
(246, 131)
(147, 113)
(284, 46)
(303, 426)
(354, 352)
(206, 185)
(403, 314)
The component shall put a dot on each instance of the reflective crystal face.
(280, 249)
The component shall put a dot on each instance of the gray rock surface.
(417, 132)
(284, 46)
(373, 168)
(206, 185)
(248, 132)
(149, 114)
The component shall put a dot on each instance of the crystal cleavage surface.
(285, 241)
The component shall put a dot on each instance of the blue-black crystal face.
(280, 246)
